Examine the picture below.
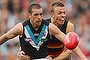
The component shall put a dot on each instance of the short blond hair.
(57, 3)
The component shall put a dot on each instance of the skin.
(57, 15)
(56, 19)
(36, 22)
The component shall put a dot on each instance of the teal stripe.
(31, 34)
(36, 41)
(41, 33)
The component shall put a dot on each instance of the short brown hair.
(34, 6)
(56, 4)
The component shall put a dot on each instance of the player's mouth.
(62, 19)
(38, 21)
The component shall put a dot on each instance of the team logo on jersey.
(36, 34)
(28, 39)
(43, 39)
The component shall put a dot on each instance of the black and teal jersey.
(34, 43)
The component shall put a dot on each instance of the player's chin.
(38, 23)
(61, 21)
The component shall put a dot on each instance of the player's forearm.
(64, 55)
(3, 39)
(78, 51)
(54, 30)
(59, 58)
(60, 36)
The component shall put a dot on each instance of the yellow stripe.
(67, 27)
(51, 20)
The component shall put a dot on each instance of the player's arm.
(66, 53)
(51, 27)
(79, 52)
(77, 49)
(17, 30)
(53, 30)
(21, 55)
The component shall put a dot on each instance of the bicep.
(56, 32)
(15, 31)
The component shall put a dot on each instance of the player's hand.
(48, 57)
(21, 56)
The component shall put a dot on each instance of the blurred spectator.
(4, 16)
(12, 49)
(25, 5)
(14, 11)
(84, 33)
(7, 21)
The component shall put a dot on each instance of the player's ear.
(29, 15)
(52, 14)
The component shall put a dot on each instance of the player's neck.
(34, 25)
(59, 26)
(52, 20)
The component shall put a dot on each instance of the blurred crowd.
(14, 11)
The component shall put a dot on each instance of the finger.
(23, 57)
(22, 52)
(48, 57)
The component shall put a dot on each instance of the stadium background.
(14, 11)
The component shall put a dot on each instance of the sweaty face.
(36, 16)
(59, 15)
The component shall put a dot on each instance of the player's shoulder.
(70, 24)
(19, 24)
(52, 26)
(70, 27)
(25, 22)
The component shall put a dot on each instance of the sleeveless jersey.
(34, 43)
(55, 47)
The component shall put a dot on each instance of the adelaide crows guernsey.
(55, 47)
(34, 43)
